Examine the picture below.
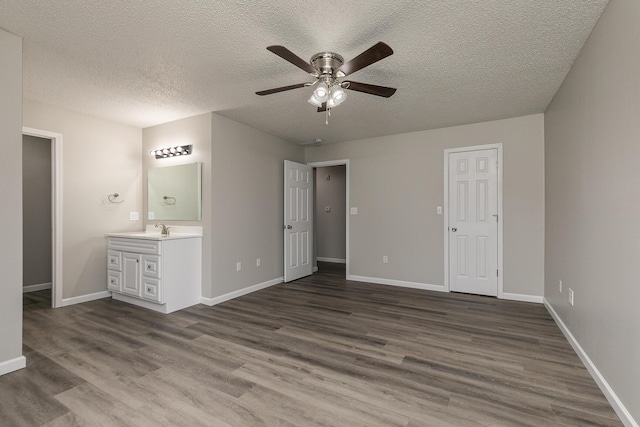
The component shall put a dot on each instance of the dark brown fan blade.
(287, 55)
(374, 54)
(370, 89)
(280, 89)
(323, 108)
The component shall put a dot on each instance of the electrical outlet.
(353, 211)
(238, 266)
(560, 286)
(385, 259)
(570, 296)
(134, 216)
(257, 262)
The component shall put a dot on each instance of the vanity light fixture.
(177, 150)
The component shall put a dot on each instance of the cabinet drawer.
(114, 260)
(151, 266)
(151, 289)
(140, 246)
(114, 281)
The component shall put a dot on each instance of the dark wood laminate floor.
(317, 352)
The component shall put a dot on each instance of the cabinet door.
(131, 274)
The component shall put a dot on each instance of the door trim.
(347, 173)
(56, 209)
(446, 212)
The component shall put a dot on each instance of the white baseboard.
(414, 285)
(35, 288)
(240, 292)
(13, 365)
(85, 298)
(522, 297)
(608, 392)
(336, 260)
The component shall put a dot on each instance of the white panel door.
(298, 220)
(473, 222)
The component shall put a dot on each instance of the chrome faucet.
(164, 230)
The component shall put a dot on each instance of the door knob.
(288, 227)
(454, 229)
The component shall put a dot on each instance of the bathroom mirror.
(175, 192)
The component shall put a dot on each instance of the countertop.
(153, 236)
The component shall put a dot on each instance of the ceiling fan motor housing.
(327, 63)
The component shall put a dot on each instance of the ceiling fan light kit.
(327, 68)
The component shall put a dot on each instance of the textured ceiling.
(150, 62)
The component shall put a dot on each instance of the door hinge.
(497, 272)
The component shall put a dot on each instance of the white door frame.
(338, 163)
(446, 211)
(56, 209)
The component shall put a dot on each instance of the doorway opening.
(331, 219)
(473, 220)
(42, 217)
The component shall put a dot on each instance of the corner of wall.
(11, 225)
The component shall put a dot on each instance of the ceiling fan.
(328, 68)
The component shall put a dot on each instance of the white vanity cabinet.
(158, 273)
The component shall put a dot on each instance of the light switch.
(439, 210)
(134, 216)
(354, 211)
(151, 215)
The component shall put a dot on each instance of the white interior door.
(298, 220)
(473, 222)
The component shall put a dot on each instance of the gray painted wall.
(330, 226)
(592, 150)
(36, 204)
(194, 130)
(242, 200)
(11, 187)
(248, 204)
(99, 158)
(398, 181)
